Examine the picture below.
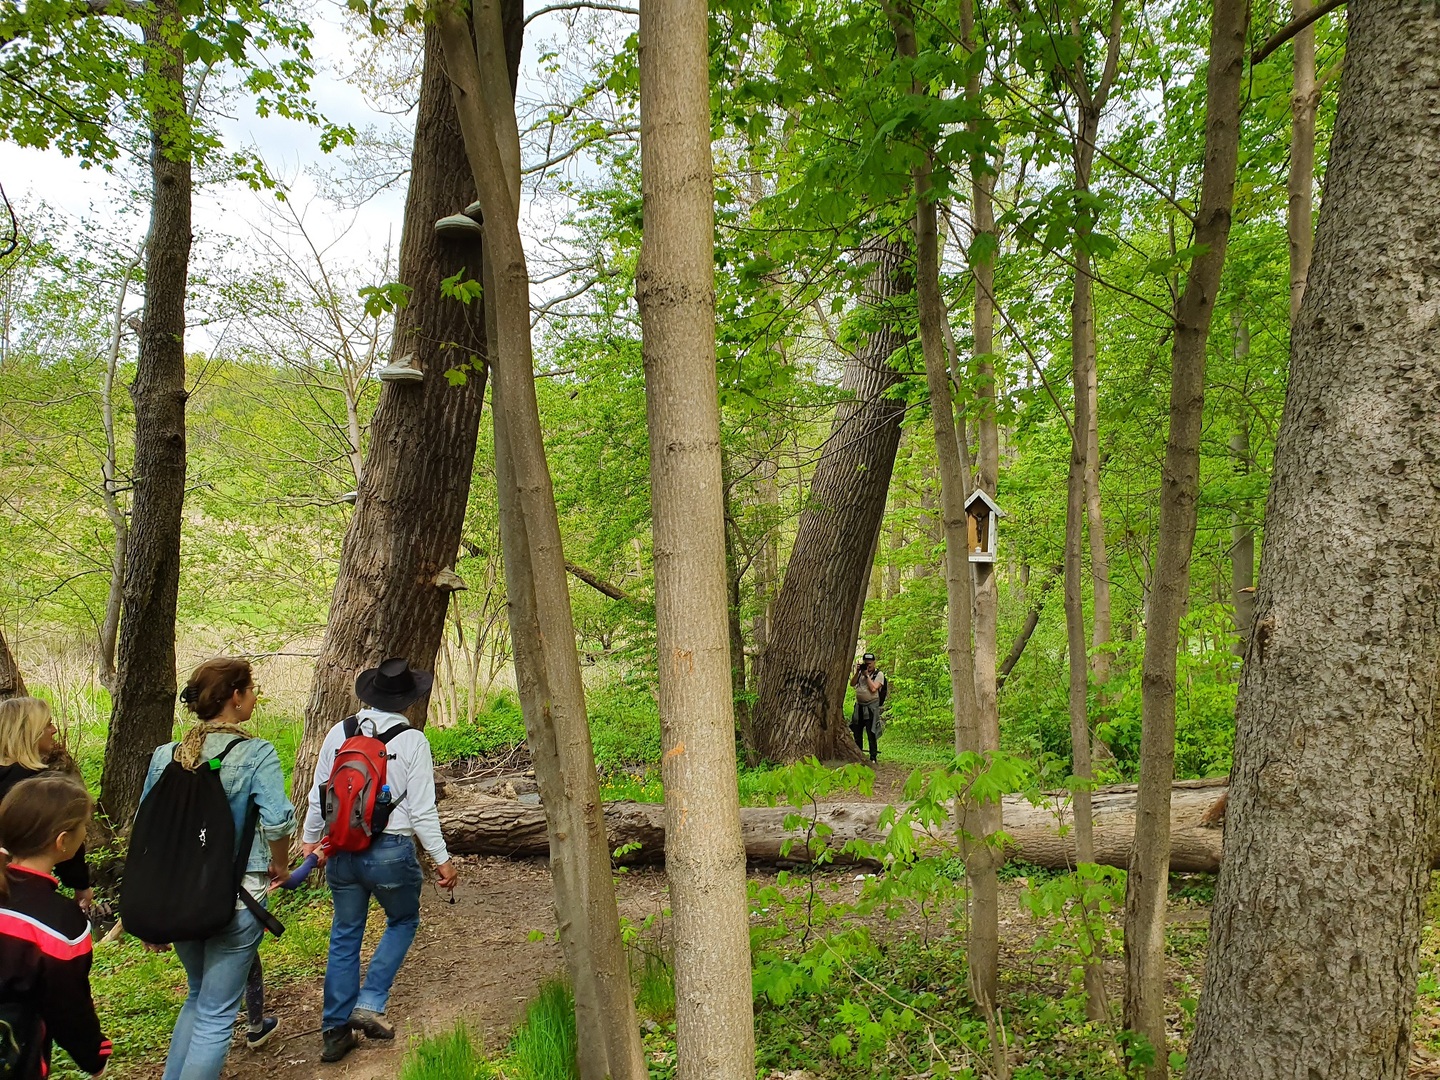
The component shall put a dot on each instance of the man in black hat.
(869, 683)
(388, 869)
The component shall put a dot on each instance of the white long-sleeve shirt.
(411, 776)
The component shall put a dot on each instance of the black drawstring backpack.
(184, 868)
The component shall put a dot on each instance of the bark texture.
(415, 484)
(1317, 919)
(144, 690)
(12, 684)
(808, 659)
(675, 291)
(485, 105)
(478, 825)
(1148, 878)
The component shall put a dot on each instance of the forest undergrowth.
(855, 975)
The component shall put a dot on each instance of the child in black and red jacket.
(44, 937)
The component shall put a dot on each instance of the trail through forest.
(473, 961)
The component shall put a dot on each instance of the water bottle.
(384, 798)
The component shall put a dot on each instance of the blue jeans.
(217, 969)
(389, 871)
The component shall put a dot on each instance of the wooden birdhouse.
(982, 518)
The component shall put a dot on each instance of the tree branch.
(614, 592)
(1293, 27)
(579, 5)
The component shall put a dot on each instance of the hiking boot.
(373, 1024)
(255, 1038)
(338, 1042)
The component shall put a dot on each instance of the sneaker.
(338, 1042)
(255, 1039)
(373, 1024)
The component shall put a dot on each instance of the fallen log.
(481, 825)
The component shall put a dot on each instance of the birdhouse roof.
(978, 495)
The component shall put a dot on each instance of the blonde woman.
(29, 747)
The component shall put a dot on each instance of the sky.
(226, 214)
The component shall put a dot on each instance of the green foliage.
(498, 728)
(544, 1047)
(448, 1056)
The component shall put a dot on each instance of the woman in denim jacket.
(221, 693)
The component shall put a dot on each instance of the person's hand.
(86, 899)
(278, 874)
(449, 876)
(317, 849)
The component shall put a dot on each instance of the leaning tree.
(396, 572)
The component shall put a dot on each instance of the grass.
(544, 1047)
(451, 1056)
(655, 988)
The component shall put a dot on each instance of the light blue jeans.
(217, 969)
(389, 871)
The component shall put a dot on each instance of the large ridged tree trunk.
(1147, 882)
(484, 103)
(675, 291)
(415, 485)
(12, 684)
(1321, 901)
(144, 713)
(808, 661)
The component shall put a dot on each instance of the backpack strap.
(219, 759)
(350, 726)
(242, 860)
(394, 731)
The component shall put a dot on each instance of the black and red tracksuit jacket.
(45, 958)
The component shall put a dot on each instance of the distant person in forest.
(45, 949)
(871, 689)
(363, 826)
(222, 695)
(29, 746)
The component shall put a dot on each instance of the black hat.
(392, 686)
(868, 656)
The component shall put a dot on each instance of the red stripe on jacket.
(13, 924)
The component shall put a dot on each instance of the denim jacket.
(250, 772)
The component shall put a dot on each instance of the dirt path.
(472, 961)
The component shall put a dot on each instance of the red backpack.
(355, 811)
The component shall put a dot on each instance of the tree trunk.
(485, 105)
(415, 486)
(766, 570)
(1317, 921)
(109, 475)
(675, 291)
(12, 684)
(1300, 184)
(807, 663)
(1027, 630)
(1101, 626)
(566, 844)
(144, 693)
(1148, 879)
(1242, 536)
(739, 684)
(480, 825)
